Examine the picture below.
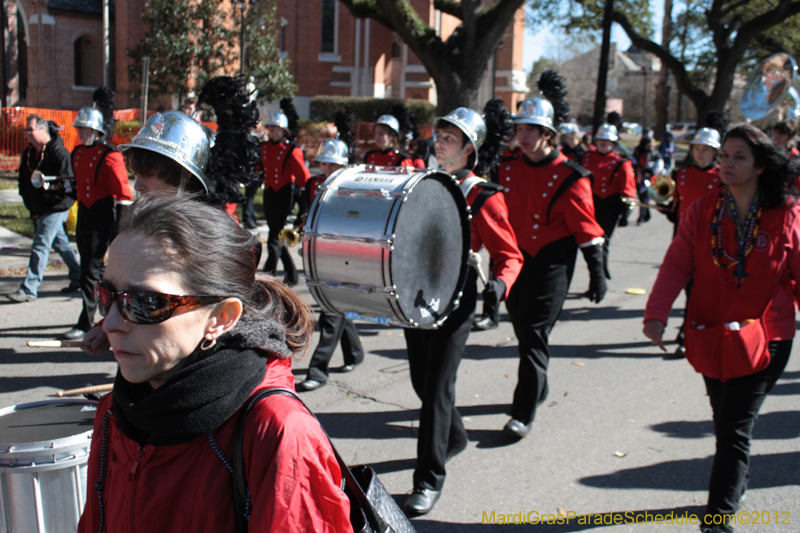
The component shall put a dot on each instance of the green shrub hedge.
(324, 108)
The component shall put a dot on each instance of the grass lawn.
(8, 183)
(16, 218)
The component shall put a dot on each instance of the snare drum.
(388, 245)
(44, 451)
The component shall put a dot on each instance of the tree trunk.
(662, 89)
(453, 90)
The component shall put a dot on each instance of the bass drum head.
(431, 246)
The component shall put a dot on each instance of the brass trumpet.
(40, 181)
(661, 189)
(289, 237)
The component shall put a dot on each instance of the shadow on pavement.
(67, 381)
(607, 313)
(769, 470)
(49, 355)
(776, 425)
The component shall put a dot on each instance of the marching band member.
(101, 179)
(434, 355)
(648, 165)
(283, 167)
(331, 156)
(692, 183)
(741, 243)
(390, 133)
(783, 135)
(172, 153)
(613, 181)
(550, 208)
(572, 147)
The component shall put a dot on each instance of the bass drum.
(388, 245)
(43, 462)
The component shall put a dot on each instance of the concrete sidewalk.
(10, 196)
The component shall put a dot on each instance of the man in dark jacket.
(49, 207)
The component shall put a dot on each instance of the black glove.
(493, 292)
(624, 211)
(597, 279)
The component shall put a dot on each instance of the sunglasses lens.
(103, 297)
(146, 307)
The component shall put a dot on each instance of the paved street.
(622, 430)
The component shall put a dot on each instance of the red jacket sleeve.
(793, 248)
(677, 268)
(495, 232)
(115, 175)
(627, 180)
(293, 476)
(577, 207)
(298, 168)
(90, 518)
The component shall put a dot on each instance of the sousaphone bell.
(768, 86)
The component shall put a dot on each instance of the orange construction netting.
(12, 130)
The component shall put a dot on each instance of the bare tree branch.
(451, 7)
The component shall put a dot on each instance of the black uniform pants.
(534, 303)
(607, 212)
(433, 359)
(92, 235)
(735, 404)
(248, 207)
(277, 206)
(491, 310)
(332, 329)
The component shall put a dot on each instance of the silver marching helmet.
(178, 137)
(537, 111)
(470, 122)
(708, 137)
(89, 117)
(607, 132)
(569, 127)
(333, 151)
(793, 109)
(278, 118)
(390, 122)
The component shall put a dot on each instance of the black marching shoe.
(73, 334)
(309, 385)
(680, 353)
(72, 287)
(484, 324)
(290, 282)
(517, 429)
(421, 502)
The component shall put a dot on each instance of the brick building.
(54, 54)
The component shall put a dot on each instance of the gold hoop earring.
(207, 344)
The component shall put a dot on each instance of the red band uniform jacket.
(282, 163)
(546, 203)
(391, 158)
(692, 183)
(614, 179)
(100, 172)
(293, 478)
(491, 228)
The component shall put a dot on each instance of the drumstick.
(58, 344)
(85, 390)
(475, 261)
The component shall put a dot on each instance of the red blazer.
(716, 297)
(491, 228)
(692, 183)
(100, 172)
(391, 158)
(282, 163)
(537, 213)
(293, 477)
(613, 174)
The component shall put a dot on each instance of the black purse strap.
(240, 502)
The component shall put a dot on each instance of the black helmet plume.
(287, 106)
(406, 120)
(234, 155)
(716, 120)
(614, 119)
(345, 121)
(552, 87)
(499, 130)
(103, 99)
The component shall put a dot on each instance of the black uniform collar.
(705, 169)
(549, 158)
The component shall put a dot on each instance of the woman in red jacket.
(742, 246)
(162, 446)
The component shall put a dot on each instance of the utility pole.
(602, 75)
(106, 44)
